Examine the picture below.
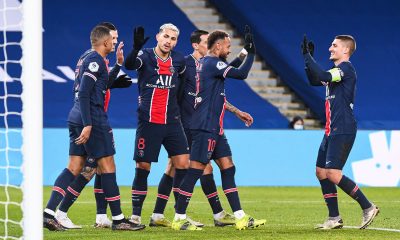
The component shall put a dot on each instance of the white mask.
(298, 127)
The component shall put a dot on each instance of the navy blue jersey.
(340, 83)
(339, 102)
(158, 84)
(189, 92)
(90, 86)
(210, 97)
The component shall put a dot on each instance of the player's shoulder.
(145, 52)
(347, 68)
(214, 62)
(94, 62)
(190, 60)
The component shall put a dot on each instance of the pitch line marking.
(377, 229)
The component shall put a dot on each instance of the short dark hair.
(108, 25)
(215, 36)
(98, 33)
(349, 41)
(195, 36)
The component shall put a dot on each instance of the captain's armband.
(336, 74)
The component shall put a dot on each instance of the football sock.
(139, 190)
(101, 203)
(229, 187)
(60, 186)
(164, 190)
(210, 190)
(186, 189)
(351, 188)
(111, 191)
(330, 195)
(73, 192)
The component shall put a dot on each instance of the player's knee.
(333, 175)
(320, 173)
(181, 161)
(208, 170)
(143, 165)
(88, 172)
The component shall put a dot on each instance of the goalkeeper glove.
(122, 81)
(304, 45)
(311, 48)
(248, 41)
(138, 38)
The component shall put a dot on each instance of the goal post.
(32, 119)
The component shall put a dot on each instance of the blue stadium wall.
(262, 157)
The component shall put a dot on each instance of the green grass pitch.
(291, 213)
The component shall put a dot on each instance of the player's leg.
(111, 191)
(200, 155)
(158, 219)
(329, 191)
(338, 151)
(147, 148)
(73, 192)
(102, 221)
(221, 218)
(223, 154)
(76, 160)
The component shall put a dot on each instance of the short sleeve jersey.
(158, 84)
(210, 99)
(339, 102)
(91, 65)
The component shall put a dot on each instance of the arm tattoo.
(230, 107)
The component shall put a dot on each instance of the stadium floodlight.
(21, 113)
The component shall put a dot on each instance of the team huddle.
(182, 103)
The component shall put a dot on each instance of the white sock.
(118, 217)
(179, 216)
(49, 211)
(157, 216)
(61, 214)
(100, 216)
(219, 215)
(239, 214)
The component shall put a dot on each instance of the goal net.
(20, 119)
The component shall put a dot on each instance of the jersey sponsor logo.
(93, 66)
(383, 168)
(221, 65)
(164, 81)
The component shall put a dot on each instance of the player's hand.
(304, 45)
(245, 117)
(84, 137)
(248, 41)
(311, 48)
(122, 81)
(120, 53)
(138, 38)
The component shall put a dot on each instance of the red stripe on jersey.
(328, 118)
(221, 119)
(164, 67)
(159, 106)
(107, 99)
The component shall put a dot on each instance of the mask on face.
(298, 127)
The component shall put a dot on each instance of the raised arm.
(132, 62)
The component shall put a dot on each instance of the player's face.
(338, 50)
(225, 48)
(109, 44)
(167, 40)
(202, 46)
(114, 34)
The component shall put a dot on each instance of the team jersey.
(90, 87)
(113, 73)
(210, 91)
(340, 86)
(189, 94)
(158, 82)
